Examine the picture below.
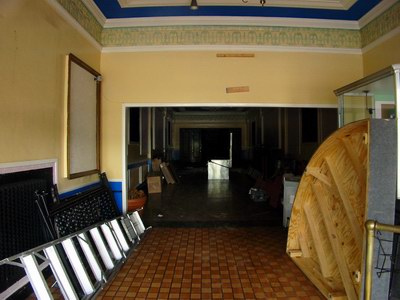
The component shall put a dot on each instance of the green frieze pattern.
(83, 16)
(381, 25)
(233, 35)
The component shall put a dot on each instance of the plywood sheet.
(328, 212)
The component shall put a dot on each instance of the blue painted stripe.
(111, 10)
(116, 188)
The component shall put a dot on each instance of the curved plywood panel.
(326, 229)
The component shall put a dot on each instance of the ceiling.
(345, 10)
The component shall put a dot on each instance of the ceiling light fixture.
(193, 5)
(369, 109)
(262, 2)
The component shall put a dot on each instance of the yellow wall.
(383, 55)
(34, 43)
(274, 78)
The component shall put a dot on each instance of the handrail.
(371, 227)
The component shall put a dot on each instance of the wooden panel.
(338, 296)
(355, 159)
(357, 231)
(316, 172)
(237, 89)
(318, 237)
(239, 55)
(295, 253)
(336, 243)
(328, 213)
(305, 248)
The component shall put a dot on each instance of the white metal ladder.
(81, 263)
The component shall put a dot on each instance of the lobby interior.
(173, 79)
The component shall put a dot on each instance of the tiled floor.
(209, 245)
(211, 263)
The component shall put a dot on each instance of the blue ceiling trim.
(112, 10)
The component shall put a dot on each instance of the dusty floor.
(212, 242)
(211, 263)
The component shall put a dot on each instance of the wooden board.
(165, 169)
(237, 89)
(326, 231)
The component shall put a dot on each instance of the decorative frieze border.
(83, 16)
(230, 35)
(383, 24)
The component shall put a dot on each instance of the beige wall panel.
(34, 43)
(383, 55)
(273, 78)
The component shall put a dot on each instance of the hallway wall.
(36, 39)
(385, 54)
(159, 78)
(35, 42)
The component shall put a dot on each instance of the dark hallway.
(196, 201)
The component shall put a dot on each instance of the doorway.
(194, 135)
(191, 146)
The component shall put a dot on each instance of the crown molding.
(232, 21)
(381, 40)
(233, 48)
(138, 23)
(74, 23)
(376, 11)
(255, 21)
(326, 4)
(227, 104)
(97, 13)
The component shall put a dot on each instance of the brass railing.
(371, 227)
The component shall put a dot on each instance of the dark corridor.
(199, 145)
(197, 201)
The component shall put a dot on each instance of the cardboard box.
(154, 184)
(155, 164)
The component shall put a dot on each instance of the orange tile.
(211, 263)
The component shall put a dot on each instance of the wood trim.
(236, 55)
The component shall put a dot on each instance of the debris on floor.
(257, 195)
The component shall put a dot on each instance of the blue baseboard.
(78, 190)
(116, 187)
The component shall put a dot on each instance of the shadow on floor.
(198, 202)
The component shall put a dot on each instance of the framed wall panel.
(83, 128)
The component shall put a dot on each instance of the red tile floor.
(211, 263)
